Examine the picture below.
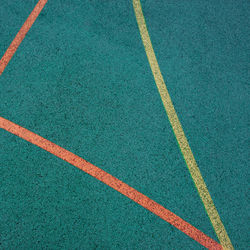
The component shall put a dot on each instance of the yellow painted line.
(179, 133)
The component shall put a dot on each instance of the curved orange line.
(111, 181)
(21, 34)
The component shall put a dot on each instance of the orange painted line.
(111, 181)
(21, 34)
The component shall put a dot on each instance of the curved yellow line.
(179, 133)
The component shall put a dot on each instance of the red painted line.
(111, 181)
(21, 34)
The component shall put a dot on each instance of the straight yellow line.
(179, 133)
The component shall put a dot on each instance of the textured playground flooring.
(150, 98)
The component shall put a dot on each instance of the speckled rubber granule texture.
(81, 79)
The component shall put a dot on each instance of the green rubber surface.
(81, 79)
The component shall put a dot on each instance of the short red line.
(111, 181)
(21, 34)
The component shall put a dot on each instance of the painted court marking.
(108, 179)
(179, 133)
(21, 34)
(111, 181)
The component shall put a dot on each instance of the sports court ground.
(90, 77)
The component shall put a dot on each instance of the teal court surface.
(90, 77)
